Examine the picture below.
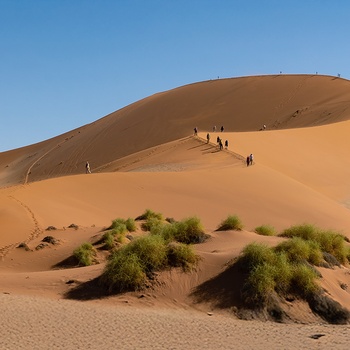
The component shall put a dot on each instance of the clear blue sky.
(66, 63)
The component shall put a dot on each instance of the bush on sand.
(85, 254)
(232, 222)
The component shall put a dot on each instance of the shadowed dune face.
(240, 104)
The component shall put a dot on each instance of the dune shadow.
(67, 263)
(89, 290)
(222, 291)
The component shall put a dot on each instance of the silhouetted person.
(195, 131)
(251, 158)
(222, 129)
(248, 160)
(208, 137)
(87, 168)
(218, 139)
(226, 144)
(220, 145)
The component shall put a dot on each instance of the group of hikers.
(249, 159)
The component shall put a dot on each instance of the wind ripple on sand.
(35, 323)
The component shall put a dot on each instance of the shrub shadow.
(222, 291)
(89, 290)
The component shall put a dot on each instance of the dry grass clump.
(232, 222)
(299, 250)
(123, 272)
(328, 241)
(265, 230)
(270, 270)
(181, 255)
(151, 223)
(85, 254)
(122, 225)
(187, 231)
(131, 266)
(150, 214)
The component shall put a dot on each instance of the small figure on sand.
(214, 128)
(248, 160)
(264, 127)
(208, 137)
(218, 139)
(220, 145)
(87, 168)
(195, 131)
(222, 129)
(226, 144)
(251, 158)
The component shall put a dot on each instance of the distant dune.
(239, 104)
(146, 156)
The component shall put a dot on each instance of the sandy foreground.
(41, 323)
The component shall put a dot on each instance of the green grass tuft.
(85, 254)
(123, 272)
(151, 251)
(150, 214)
(232, 222)
(181, 255)
(265, 230)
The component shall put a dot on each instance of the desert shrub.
(123, 272)
(189, 231)
(120, 224)
(85, 254)
(315, 253)
(259, 284)
(329, 241)
(166, 230)
(333, 243)
(303, 281)
(119, 229)
(305, 231)
(108, 240)
(181, 255)
(265, 230)
(232, 222)
(116, 223)
(283, 272)
(255, 254)
(130, 225)
(297, 249)
(151, 223)
(151, 251)
(150, 214)
(269, 270)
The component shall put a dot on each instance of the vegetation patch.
(181, 255)
(328, 241)
(232, 222)
(274, 270)
(188, 231)
(85, 254)
(150, 214)
(265, 230)
(133, 265)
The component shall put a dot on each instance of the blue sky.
(66, 63)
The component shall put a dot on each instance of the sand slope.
(239, 104)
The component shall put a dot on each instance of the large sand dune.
(145, 156)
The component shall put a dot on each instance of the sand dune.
(145, 156)
(239, 104)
